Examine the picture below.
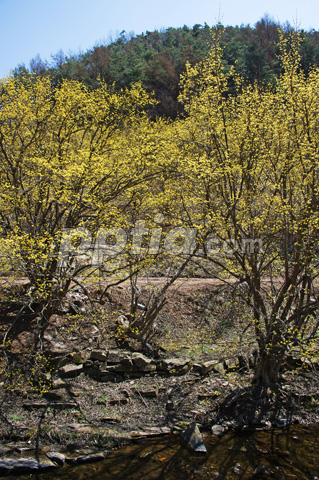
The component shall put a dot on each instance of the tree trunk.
(271, 360)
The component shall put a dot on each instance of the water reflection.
(274, 454)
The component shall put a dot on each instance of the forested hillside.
(157, 59)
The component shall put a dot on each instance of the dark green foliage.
(158, 58)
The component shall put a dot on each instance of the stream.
(264, 454)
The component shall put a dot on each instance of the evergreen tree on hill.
(157, 59)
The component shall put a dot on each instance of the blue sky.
(31, 27)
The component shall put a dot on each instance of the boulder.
(92, 457)
(232, 364)
(57, 458)
(70, 370)
(93, 372)
(208, 366)
(219, 368)
(58, 384)
(19, 466)
(100, 355)
(217, 430)
(117, 356)
(175, 366)
(151, 367)
(194, 438)
(126, 365)
(197, 368)
(140, 360)
(57, 394)
(58, 361)
(56, 348)
(74, 303)
(79, 357)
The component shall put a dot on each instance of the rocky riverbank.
(97, 396)
(84, 415)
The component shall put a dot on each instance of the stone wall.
(118, 365)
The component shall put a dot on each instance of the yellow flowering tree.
(251, 188)
(71, 160)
